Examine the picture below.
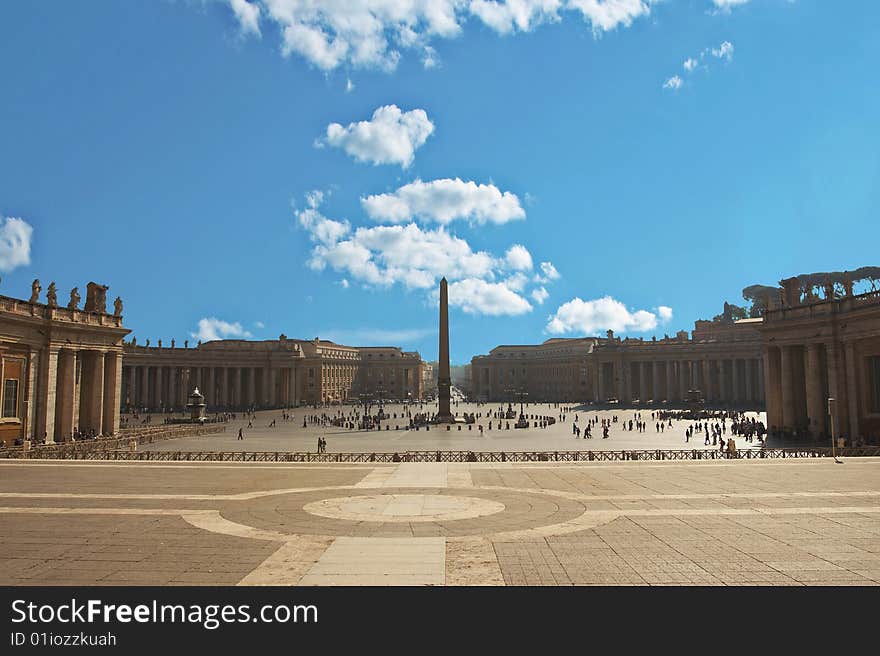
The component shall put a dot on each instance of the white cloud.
(389, 137)
(408, 255)
(320, 228)
(674, 83)
(515, 15)
(444, 201)
(259, 324)
(349, 86)
(476, 296)
(548, 273)
(344, 283)
(606, 313)
(517, 282)
(416, 258)
(665, 313)
(540, 295)
(724, 51)
(518, 258)
(248, 15)
(371, 33)
(430, 58)
(211, 328)
(15, 243)
(726, 5)
(609, 14)
(378, 336)
(314, 198)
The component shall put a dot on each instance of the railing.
(97, 449)
(76, 452)
(58, 313)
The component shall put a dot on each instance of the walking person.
(240, 436)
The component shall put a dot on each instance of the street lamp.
(380, 392)
(831, 405)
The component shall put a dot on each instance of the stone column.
(252, 386)
(706, 380)
(816, 405)
(64, 403)
(643, 382)
(787, 388)
(670, 380)
(762, 383)
(239, 386)
(46, 394)
(273, 388)
(835, 391)
(723, 391)
(223, 387)
(852, 390)
(211, 388)
(750, 396)
(599, 388)
(96, 393)
(265, 401)
(291, 384)
(625, 381)
(773, 378)
(32, 399)
(683, 379)
(655, 371)
(160, 399)
(112, 389)
(736, 397)
(144, 388)
(176, 386)
(157, 388)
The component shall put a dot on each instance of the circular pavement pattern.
(403, 508)
(403, 512)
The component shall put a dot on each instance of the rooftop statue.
(35, 291)
(117, 307)
(52, 295)
(74, 299)
(96, 298)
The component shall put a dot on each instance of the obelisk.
(444, 379)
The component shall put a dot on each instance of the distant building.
(722, 359)
(236, 374)
(61, 367)
(816, 348)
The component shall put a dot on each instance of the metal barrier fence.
(454, 456)
(98, 449)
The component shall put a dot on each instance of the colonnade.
(722, 380)
(77, 389)
(801, 378)
(168, 387)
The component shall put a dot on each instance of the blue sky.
(180, 153)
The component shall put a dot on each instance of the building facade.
(61, 366)
(236, 374)
(722, 359)
(820, 348)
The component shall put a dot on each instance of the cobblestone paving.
(803, 522)
(293, 436)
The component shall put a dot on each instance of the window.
(873, 373)
(10, 398)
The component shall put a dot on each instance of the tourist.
(240, 436)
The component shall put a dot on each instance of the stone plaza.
(110, 514)
(780, 522)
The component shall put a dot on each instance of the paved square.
(727, 522)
